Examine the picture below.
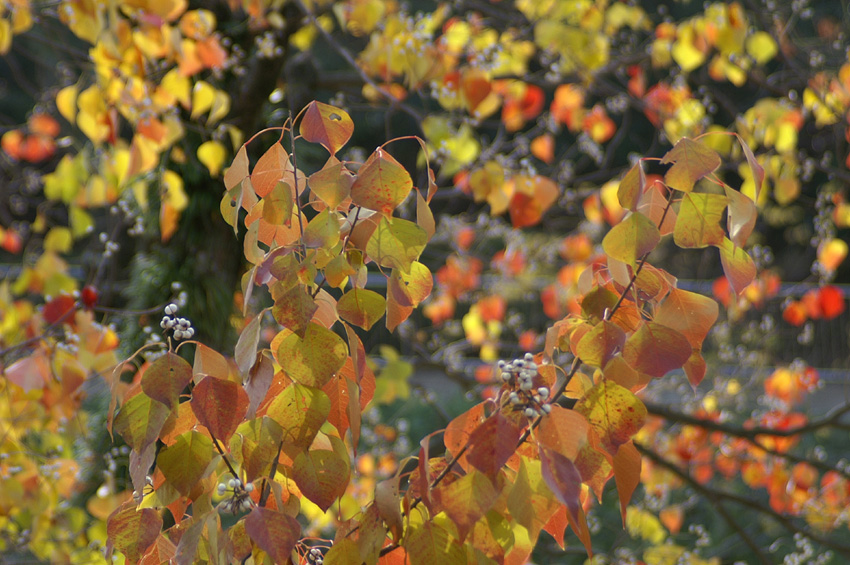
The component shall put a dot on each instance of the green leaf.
(614, 413)
(655, 349)
(220, 405)
(396, 243)
(737, 265)
(631, 239)
(327, 125)
(166, 378)
(361, 307)
(255, 445)
(140, 420)
(313, 359)
(382, 183)
(321, 475)
(698, 222)
(691, 162)
(301, 411)
(133, 531)
(274, 532)
(186, 461)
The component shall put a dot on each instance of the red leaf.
(492, 444)
(220, 405)
(273, 532)
(326, 125)
(655, 349)
(563, 478)
(59, 309)
(133, 531)
(832, 302)
(322, 475)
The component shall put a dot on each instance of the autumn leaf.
(691, 161)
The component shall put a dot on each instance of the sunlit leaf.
(186, 462)
(166, 378)
(627, 465)
(212, 154)
(466, 500)
(492, 444)
(133, 531)
(396, 243)
(614, 413)
(598, 345)
(691, 162)
(322, 476)
(274, 532)
(361, 307)
(698, 222)
(327, 125)
(563, 478)
(255, 446)
(689, 313)
(737, 265)
(631, 239)
(313, 359)
(382, 183)
(220, 405)
(300, 411)
(656, 349)
(140, 420)
(332, 183)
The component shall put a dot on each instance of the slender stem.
(267, 487)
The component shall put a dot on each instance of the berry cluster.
(315, 556)
(181, 326)
(240, 501)
(527, 396)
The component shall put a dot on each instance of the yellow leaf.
(58, 240)
(220, 107)
(685, 52)
(66, 102)
(761, 47)
(212, 155)
(81, 222)
(92, 119)
(172, 191)
(5, 36)
(203, 97)
(174, 201)
(175, 86)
